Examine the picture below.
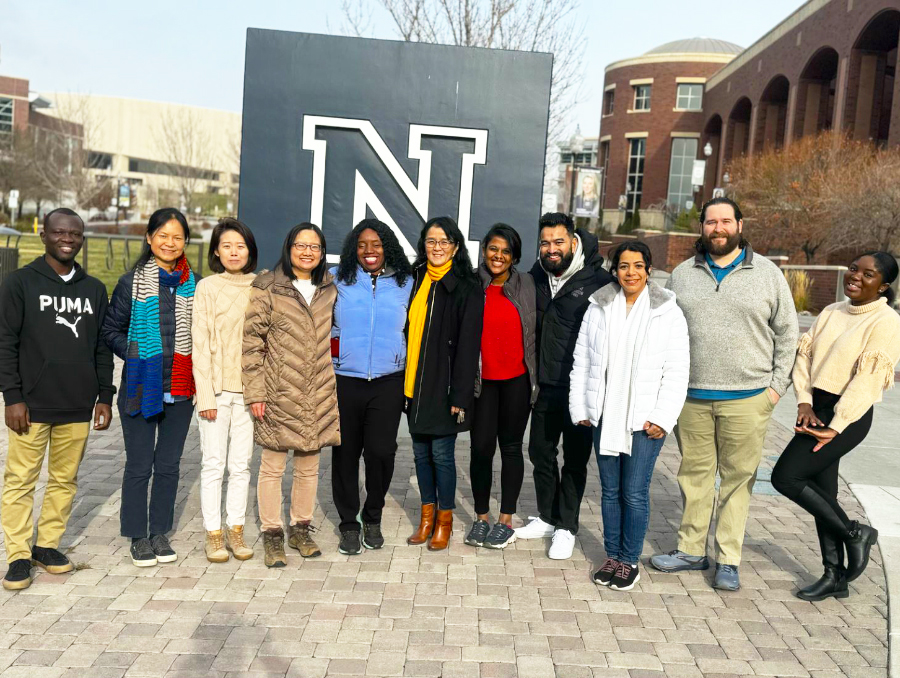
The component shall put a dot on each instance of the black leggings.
(501, 414)
(799, 467)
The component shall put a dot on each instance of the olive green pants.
(725, 436)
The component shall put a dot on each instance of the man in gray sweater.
(743, 334)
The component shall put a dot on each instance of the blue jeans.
(436, 469)
(625, 495)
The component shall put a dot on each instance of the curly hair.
(394, 258)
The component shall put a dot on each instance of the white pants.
(232, 418)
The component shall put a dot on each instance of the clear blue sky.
(192, 51)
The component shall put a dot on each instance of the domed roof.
(697, 46)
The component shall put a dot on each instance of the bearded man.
(569, 271)
(743, 335)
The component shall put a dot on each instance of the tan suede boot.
(215, 547)
(234, 542)
(300, 538)
(273, 543)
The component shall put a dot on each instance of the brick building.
(831, 65)
(651, 124)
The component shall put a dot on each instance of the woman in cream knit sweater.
(220, 303)
(844, 364)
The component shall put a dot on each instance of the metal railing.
(132, 245)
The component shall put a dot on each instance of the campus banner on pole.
(587, 192)
(336, 129)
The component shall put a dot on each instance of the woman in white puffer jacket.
(629, 382)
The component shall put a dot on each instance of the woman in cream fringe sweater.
(844, 364)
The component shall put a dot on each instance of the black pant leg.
(485, 424)
(172, 432)
(546, 428)
(512, 418)
(577, 448)
(798, 467)
(384, 408)
(139, 435)
(351, 394)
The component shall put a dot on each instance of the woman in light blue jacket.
(368, 349)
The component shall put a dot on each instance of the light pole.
(707, 152)
(576, 145)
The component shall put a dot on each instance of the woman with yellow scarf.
(443, 344)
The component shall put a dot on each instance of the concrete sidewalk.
(406, 611)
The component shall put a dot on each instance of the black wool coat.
(448, 358)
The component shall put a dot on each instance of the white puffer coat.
(662, 365)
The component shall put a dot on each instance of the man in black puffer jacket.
(569, 270)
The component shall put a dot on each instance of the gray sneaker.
(727, 578)
(679, 561)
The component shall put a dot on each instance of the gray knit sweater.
(743, 330)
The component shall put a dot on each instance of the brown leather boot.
(442, 532)
(426, 526)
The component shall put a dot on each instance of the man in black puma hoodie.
(54, 371)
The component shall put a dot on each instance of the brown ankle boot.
(426, 526)
(442, 532)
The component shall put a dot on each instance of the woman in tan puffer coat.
(290, 386)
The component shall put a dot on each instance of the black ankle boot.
(858, 544)
(832, 584)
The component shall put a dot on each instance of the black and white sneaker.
(162, 548)
(478, 533)
(349, 544)
(604, 575)
(500, 537)
(18, 576)
(142, 554)
(51, 560)
(372, 537)
(625, 578)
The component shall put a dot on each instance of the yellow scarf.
(418, 311)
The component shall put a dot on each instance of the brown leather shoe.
(442, 532)
(426, 526)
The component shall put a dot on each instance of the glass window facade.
(637, 151)
(690, 97)
(6, 116)
(642, 97)
(684, 152)
(604, 163)
(609, 102)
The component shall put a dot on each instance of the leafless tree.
(527, 25)
(58, 152)
(186, 145)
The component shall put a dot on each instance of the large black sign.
(336, 129)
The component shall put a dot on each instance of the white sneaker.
(536, 529)
(562, 545)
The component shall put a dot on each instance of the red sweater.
(502, 347)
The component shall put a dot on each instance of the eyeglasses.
(431, 243)
(303, 246)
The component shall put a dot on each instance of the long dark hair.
(157, 220)
(462, 265)
(629, 246)
(886, 264)
(318, 273)
(239, 227)
(394, 258)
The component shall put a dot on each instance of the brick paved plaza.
(404, 611)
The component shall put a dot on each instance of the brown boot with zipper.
(442, 531)
(426, 526)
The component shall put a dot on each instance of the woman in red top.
(508, 386)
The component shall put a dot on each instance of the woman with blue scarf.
(148, 325)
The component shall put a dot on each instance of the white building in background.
(141, 142)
